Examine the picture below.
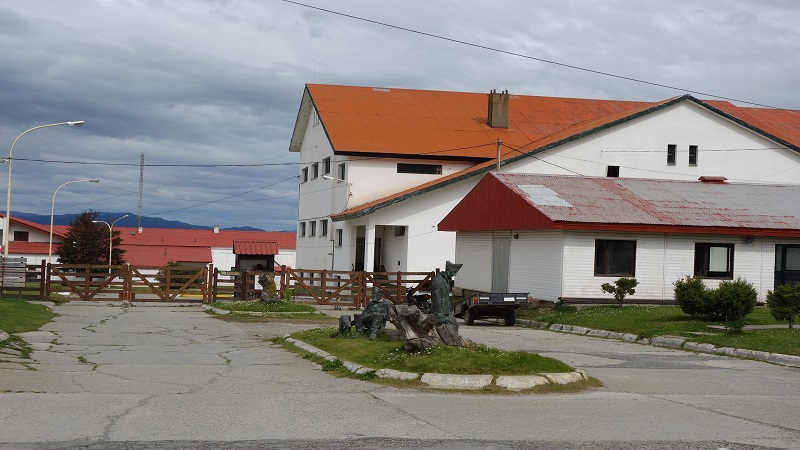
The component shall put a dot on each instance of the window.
(342, 173)
(672, 152)
(399, 231)
(314, 117)
(21, 236)
(713, 260)
(339, 237)
(614, 258)
(314, 170)
(326, 166)
(612, 171)
(692, 155)
(302, 228)
(323, 227)
(304, 175)
(313, 231)
(427, 169)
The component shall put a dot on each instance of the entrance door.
(376, 265)
(361, 248)
(501, 250)
(787, 264)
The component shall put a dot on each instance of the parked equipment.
(492, 304)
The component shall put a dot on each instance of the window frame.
(693, 155)
(672, 154)
(314, 171)
(702, 257)
(323, 227)
(604, 246)
(342, 172)
(21, 236)
(326, 166)
(312, 231)
(419, 169)
(302, 229)
(339, 237)
(304, 174)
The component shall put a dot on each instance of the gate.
(126, 282)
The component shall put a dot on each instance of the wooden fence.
(206, 284)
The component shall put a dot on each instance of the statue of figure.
(269, 293)
(440, 294)
(374, 315)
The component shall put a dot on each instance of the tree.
(784, 303)
(86, 242)
(621, 288)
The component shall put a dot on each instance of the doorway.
(501, 251)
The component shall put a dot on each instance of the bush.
(732, 301)
(692, 296)
(621, 288)
(784, 303)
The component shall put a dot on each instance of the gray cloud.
(199, 82)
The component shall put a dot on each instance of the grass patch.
(649, 321)
(390, 354)
(257, 306)
(19, 316)
(318, 319)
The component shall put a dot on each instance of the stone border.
(675, 342)
(454, 381)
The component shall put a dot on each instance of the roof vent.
(216, 229)
(707, 179)
(498, 109)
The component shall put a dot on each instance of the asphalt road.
(172, 377)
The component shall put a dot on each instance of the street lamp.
(73, 123)
(110, 236)
(53, 210)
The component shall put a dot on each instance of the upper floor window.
(323, 227)
(21, 236)
(427, 169)
(326, 166)
(314, 170)
(612, 171)
(304, 175)
(342, 173)
(302, 228)
(313, 231)
(314, 117)
(614, 258)
(672, 154)
(713, 260)
(339, 237)
(692, 155)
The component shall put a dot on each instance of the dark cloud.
(219, 82)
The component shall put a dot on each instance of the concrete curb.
(675, 342)
(454, 381)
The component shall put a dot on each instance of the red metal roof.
(159, 255)
(508, 201)
(255, 247)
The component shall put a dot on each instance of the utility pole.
(141, 188)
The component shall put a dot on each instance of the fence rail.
(206, 284)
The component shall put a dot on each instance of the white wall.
(536, 263)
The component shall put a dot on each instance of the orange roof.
(785, 129)
(255, 248)
(366, 120)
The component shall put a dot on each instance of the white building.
(560, 237)
(380, 168)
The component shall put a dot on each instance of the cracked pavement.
(171, 376)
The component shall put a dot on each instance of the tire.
(344, 324)
(511, 318)
(469, 316)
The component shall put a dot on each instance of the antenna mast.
(141, 188)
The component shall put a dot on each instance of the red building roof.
(509, 201)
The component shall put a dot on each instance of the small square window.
(713, 260)
(692, 155)
(614, 258)
(672, 152)
(304, 175)
(612, 171)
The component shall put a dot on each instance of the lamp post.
(73, 123)
(52, 212)
(110, 236)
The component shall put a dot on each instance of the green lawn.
(19, 316)
(649, 321)
(390, 354)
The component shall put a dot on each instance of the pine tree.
(86, 242)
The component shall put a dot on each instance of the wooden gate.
(126, 282)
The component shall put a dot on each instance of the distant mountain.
(131, 221)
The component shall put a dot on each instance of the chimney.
(498, 109)
(716, 180)
(216, 229)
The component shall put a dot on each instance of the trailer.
(491, 304)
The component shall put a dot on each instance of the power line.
(520, 55)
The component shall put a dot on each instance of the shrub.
(692, 296)
(621, 288)
(784, 303)
(732, 301)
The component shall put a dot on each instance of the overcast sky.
(217, 83)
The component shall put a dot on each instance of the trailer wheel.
(511, 318)
(469, 316)
(344, 324)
